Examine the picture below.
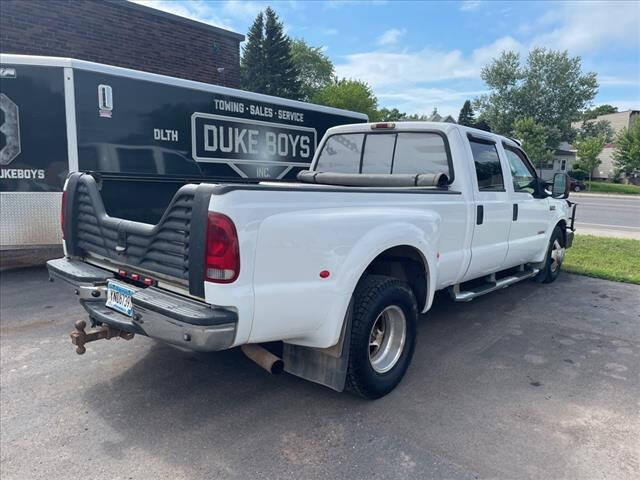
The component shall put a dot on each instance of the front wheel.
(555, 256)
(383, 335)
(576, 188)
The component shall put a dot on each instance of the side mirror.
(560, 188)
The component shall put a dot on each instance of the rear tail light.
(63, 206)
(222, 256)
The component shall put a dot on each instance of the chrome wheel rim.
(387, 337)
(557, 255)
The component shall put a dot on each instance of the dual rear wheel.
(384, 322)
(383, 335)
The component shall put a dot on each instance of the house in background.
(436, 117)
(618, 121)
(563, 158)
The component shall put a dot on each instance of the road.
(608, 215)
(536, 381)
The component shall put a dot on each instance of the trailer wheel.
(383, 335)
(555, 256)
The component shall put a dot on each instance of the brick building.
(121, 33)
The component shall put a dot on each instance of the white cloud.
(586, 26)
(483, 55)
(198, 10)
(386, 69)
(243, 9)
(423, 100)
(391, 36)
(623, 105)
(329, 31)
(470, 5)
(617, 81)
(220, 14)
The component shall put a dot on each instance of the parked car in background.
(577, 185)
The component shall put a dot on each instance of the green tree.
(601, 128)
(626, 155)
(481, 124)
(550, 87)
(595, 112)
(534, 141)
(587, 151)
(281, 74)
(351, 95)
(416, 117)
(315, 70)
(466, 116)
(391, 115)
(252, 61)
(267, 63)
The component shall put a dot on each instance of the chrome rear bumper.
(156, 313)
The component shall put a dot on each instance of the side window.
(378, 152)
(488, 168)
(420, 153)
(341, 154)
(522, 176)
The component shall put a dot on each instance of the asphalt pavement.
(535, 381)
(607, 215)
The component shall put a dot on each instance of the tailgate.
(172, 250)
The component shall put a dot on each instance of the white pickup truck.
(337, 266)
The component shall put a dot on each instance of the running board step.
(491, 285)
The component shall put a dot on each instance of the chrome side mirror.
(560, 188)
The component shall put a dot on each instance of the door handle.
(515, 212)
(479, 215)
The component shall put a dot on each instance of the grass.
(615, 259)
(604, 187)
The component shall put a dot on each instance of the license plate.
(119, 297)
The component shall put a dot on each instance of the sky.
(418, 56)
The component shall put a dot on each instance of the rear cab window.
(386, 153)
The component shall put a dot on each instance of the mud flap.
(326, 366)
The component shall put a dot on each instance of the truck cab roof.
(443, 127)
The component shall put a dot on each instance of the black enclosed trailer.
(144, 134)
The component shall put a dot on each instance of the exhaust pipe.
(263, 357)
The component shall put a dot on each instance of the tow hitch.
(79, 337)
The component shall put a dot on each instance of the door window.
(487, 162)
(523, 178)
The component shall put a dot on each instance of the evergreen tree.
(267, 62)
(465, 117)
(280, 72)
(252, 62)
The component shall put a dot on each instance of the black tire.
(550, 271)
(576, 188)
(372, 296)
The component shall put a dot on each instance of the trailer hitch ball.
(79, 336)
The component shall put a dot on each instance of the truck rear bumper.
(156, 313)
